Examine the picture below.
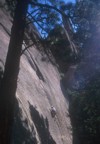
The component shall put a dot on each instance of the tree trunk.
(9, 81)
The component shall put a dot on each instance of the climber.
(53, 111)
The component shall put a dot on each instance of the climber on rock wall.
(53, 111)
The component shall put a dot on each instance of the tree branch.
(47, 6)
(26, 48)
(33, 11)
(34, 20)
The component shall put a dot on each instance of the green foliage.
(85, 17)
(85, 102)
(85, 111)
(60, 45)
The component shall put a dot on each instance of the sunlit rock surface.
(38, 89)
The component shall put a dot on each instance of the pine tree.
(9, 81)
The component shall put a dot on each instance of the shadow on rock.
(21, 133)
(1, 70)
(42, 126)
(64, 90)
(71, 115)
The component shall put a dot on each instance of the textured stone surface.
(38, 89)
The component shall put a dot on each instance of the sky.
(70, 1)
(73, 1)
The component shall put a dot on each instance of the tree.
(85, 20)
(85, 99)
(9, 81)
(85, 112)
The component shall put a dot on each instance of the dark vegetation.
(84, 97)
(59, 45)
(85, 112)
(1, 70)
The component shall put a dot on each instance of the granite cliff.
(39, 88)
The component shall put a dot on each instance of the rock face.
(38, 89)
